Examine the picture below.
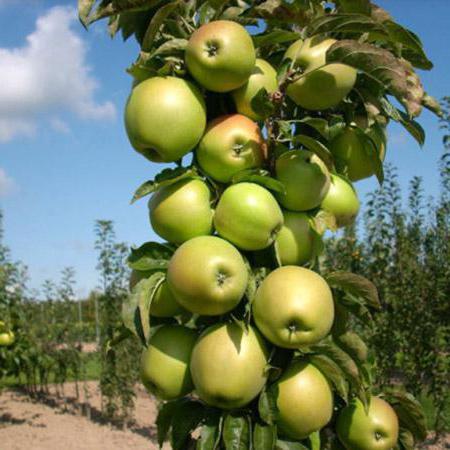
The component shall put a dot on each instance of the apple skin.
(305, 177)
(228, 366)
(7, 338)
(165, 362)
(220, 55)
(295, 241)
(341, 200)
(304, 400)
(352, 154)
(163, 303)
(293, 307)
(377, 430)
(248, 216)
(181, 211)
(323, 85)
(263, 76)
(207, 276)
(165, 118)
(231, 143)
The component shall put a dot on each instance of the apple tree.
(270, 111)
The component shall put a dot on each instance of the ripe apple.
(181, 211)
(7, 338)
(263, 76)
(165, 362)
(220, 55)
(295, 241)
(376, 430)
(165, 117)
(248, 216)
(231, 143)
(163, 303)
(304, 400)
(229, 366)
(341, 200)
(353, 152)
(322, 85)
(305, 177)
(207, 276)
(293, 307)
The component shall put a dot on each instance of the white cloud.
(59, 125)
(47, 75)
(6, 184)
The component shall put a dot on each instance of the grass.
(91, 360)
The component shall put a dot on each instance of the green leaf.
(340, 23)
(323, 221)
(258, 176)
(211, 431)
(275, 36)
(432, 104)
(318, 124)
(172, 46)
(167, 177)
(236, 432)
(409, 412)
(150, 256)
(267, 405)
(152, 284)
(333, 373)
(84, 9)
(406, 439)
(328, 348)
(186, 418)
(155, 24)
(314, 440)
(400, 35)
(130, 310)
(355, 6)
(164, 419)
(357, 307)
(356, 285)
(264, 436)
(316, 147)
(262, 104)
(351, 343)
(283, 444)
(410, 125)
(378, 63)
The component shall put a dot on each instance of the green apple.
(220, 55)
(304, 400)
(353, 152)
(296, 240)
(7, 338)
(293, 307)
(165, 362)
(165, 117)
(263, 76)
(229, 366)
(375, 430)
(321, 85)
(231, 143)
(181, 211)
(341, 201)
(305, 177)
(207, 276)
(163, 303)
(248, 216)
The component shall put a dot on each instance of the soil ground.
(52, 423)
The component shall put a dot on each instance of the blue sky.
(65, 160)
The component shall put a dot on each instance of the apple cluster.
(218, 231)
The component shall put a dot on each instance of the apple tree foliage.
(388, 88)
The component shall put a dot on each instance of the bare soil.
(52, 423)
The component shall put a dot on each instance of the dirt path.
(26, 424)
